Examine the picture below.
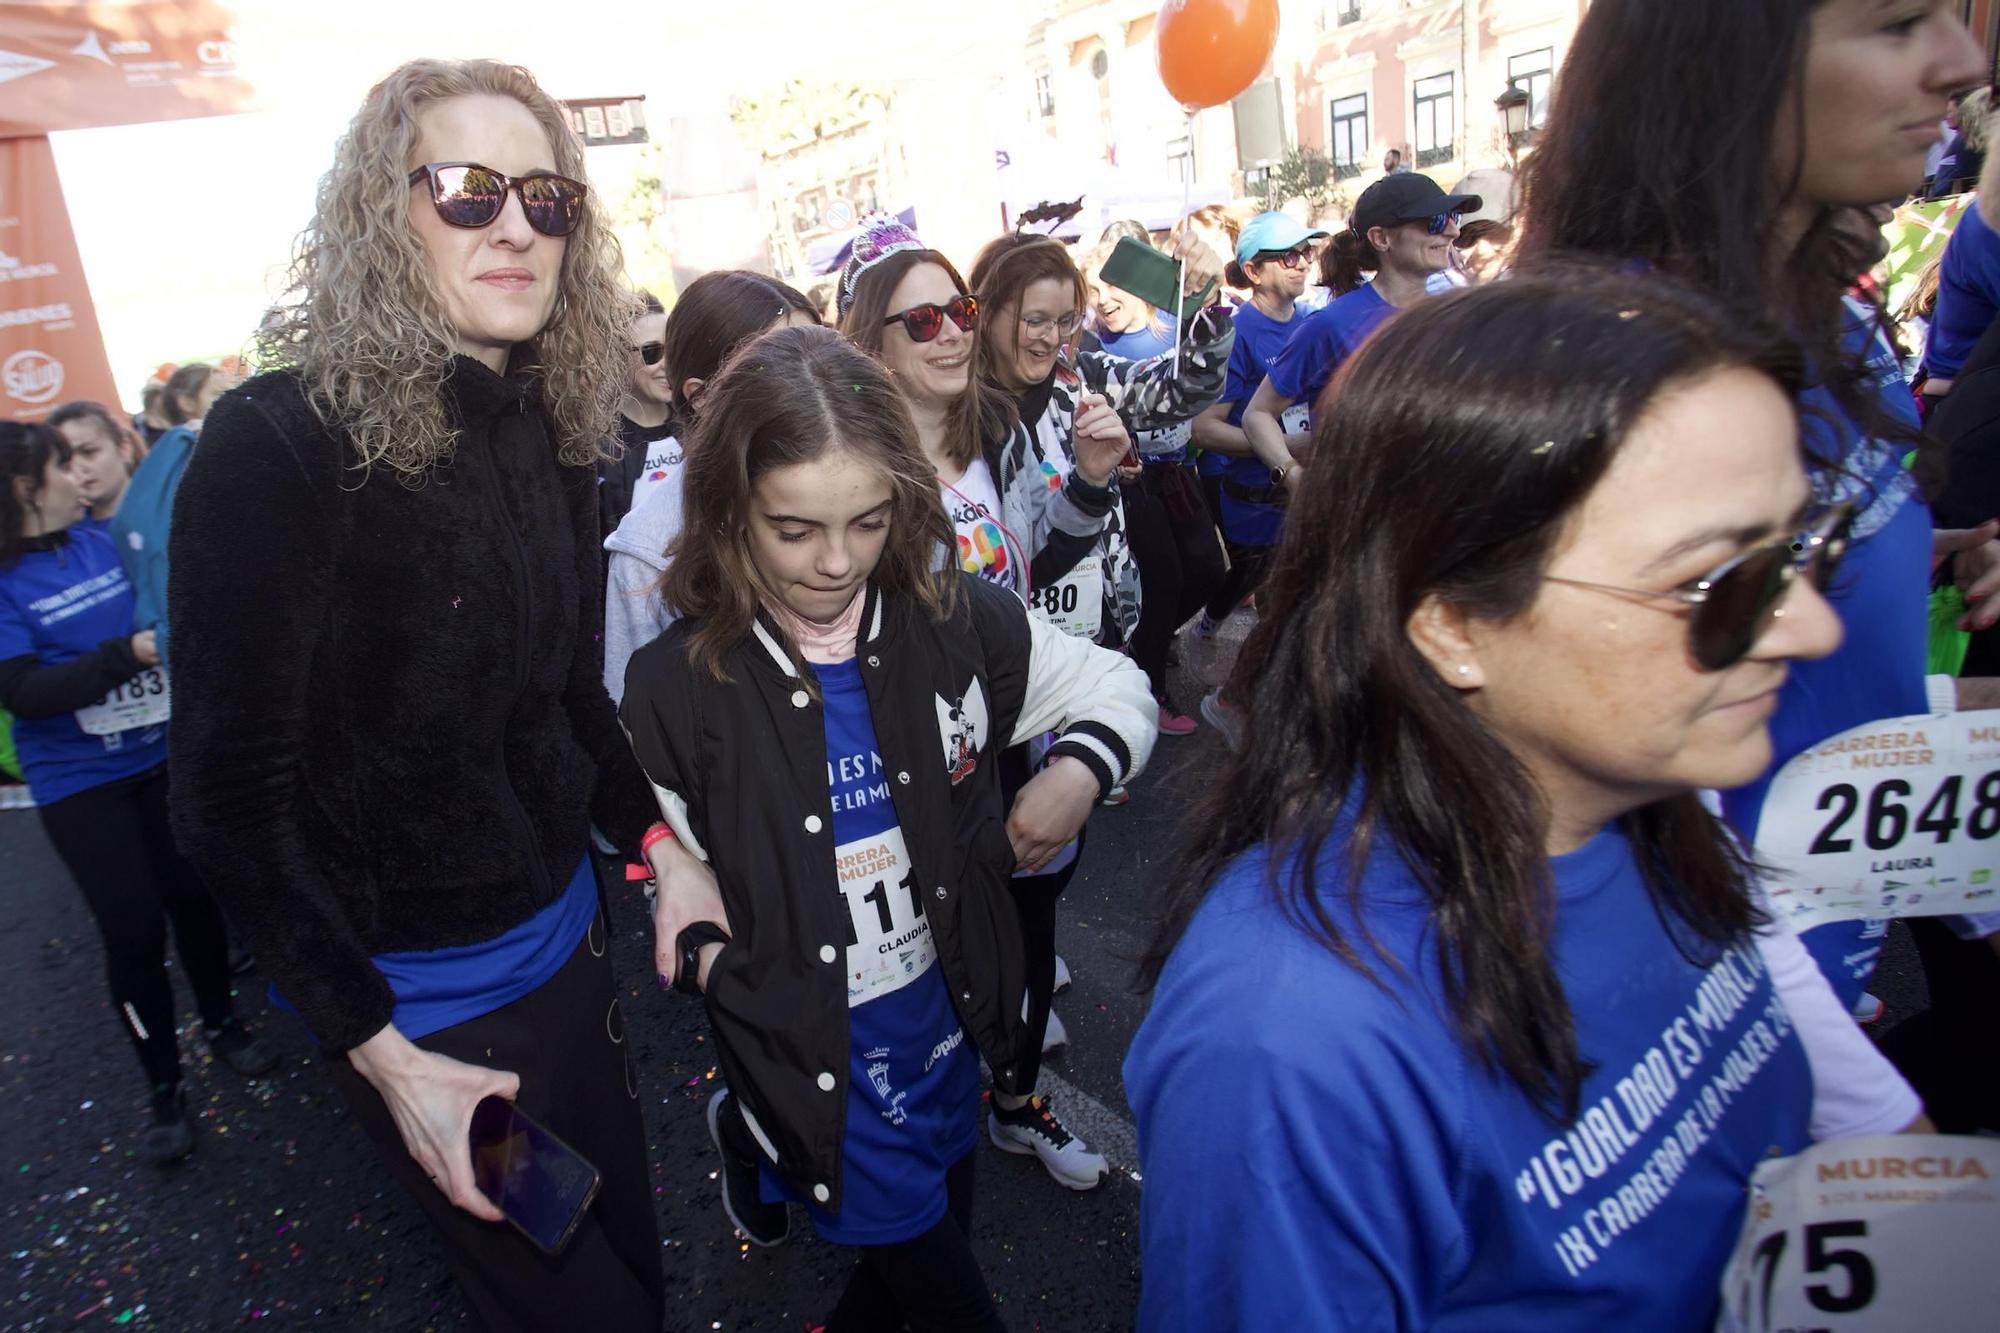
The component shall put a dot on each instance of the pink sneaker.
(1175, 724)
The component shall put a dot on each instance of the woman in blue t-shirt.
(822, 726)
(90, 702)
(1750, 192)
(1577, 556)
(1403, 228)
(1273, 259)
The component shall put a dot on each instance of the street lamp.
(1514, 105)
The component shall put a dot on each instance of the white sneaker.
(1224, 718)
(1055, 1034)
(1062, 975)
(1035, 1129)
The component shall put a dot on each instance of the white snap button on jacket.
(940, 890)
(822, 1193)
(903, 778)
(826, 1083)
(812, 823)
(826, 953)
(800, 698)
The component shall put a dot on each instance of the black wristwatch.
(687, 979)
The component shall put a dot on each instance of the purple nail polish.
(666, 982)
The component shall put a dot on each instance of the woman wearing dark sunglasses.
(391, 738)
(1748, 191)
(1553, 590)
(1402, 230)
(1019, 522)
(1273, 259)
(645, 419)
(716, 314)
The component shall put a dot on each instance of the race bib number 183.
(146, 700)
(1897, 818)
(1897, 1232)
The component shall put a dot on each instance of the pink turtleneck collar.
(823, 645)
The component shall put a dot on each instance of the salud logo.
(31, 376)
(14, 65)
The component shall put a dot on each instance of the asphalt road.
(284, 1219)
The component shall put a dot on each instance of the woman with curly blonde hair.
(391, 733)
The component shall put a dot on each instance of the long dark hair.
(1347, 261)
(1661, 148)
(1455, 475)
(26, 447)
(787, 398)
(982, 413)
(718, 313)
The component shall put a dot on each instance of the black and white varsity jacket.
(740, 773)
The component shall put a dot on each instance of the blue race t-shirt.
(1259, 338)
(1322, 341)
(57, 606)
(912, 1081)
(1376, 1174)
(1880, 595)
(1968, 295)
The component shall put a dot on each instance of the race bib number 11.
(1895, 1233)
(1897, 818)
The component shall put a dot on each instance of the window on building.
(1346, 12)
(1045, 93)
(1349, 139)
(1534, 73)
(1435, 119)
(1180, 158)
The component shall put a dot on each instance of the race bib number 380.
(1897, 818)
(146, 700)
(1898, 1232)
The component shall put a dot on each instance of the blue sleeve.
(1297, 1175)
(1968, 294)
(1300, 371)
(1246, 372)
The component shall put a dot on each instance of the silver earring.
(1464, 670)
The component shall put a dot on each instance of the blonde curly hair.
(364, 322)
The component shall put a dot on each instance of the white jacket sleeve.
(1856, 1091)
(1099, 700)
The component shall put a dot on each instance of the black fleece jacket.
(390, 725)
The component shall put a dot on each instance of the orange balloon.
(1211, 50)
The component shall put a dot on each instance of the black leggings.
(115, 840)
(1246, 570)
(566, 1039)
(931, 1284)
(1172, 536)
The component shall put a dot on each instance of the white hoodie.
(637, 556)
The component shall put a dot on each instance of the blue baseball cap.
(1271, 232)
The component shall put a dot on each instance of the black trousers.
(117, 845)
(931, 1284)
(1246, 570)
(567, 1042)
(1172, 536)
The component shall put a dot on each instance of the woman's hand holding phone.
(431, 1098)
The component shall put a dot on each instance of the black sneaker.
(170, 1137)
(763, 1224)
(234, 1046)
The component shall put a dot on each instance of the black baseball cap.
(1407, 196)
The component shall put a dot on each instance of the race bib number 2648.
(1897, 818)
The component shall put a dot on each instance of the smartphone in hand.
(540, 1183)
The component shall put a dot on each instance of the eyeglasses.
(1442, 222)
(1064, 324)
(925, 322)
(466, 194)
(651, 353)
(1293, 259)
(1731, 602)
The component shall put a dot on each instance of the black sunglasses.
(651, 353)
(466, 194)
(925, 322)
(1294, 259)
(1734, 603)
